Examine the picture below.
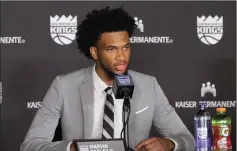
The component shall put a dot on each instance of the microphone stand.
(124, 123)
(126, 109)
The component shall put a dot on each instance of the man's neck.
(103, 76)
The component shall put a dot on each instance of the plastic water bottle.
(221, 128)
(203, 129)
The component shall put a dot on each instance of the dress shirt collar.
(99, 85)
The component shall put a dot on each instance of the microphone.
(123, 89)
(123, 86)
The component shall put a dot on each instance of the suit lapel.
(136, 94)
(87, 99)
(134, 103)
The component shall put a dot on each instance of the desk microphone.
(123, 86)
(123, 89)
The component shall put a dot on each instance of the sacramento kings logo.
(210, 30)
(63, 29)
(124, 80)
(84, 148)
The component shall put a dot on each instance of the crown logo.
(63, 20)
(210, 21)
(208, 88)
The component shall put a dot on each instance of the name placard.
(100, 145)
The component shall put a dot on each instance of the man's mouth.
(121, 67)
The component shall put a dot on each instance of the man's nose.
(120, 55)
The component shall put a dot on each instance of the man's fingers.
(145, 142)
(153, 146)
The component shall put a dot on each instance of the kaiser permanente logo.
(148, 39)
(210, 30)
(63, 29)
(207, 88)
(12, 40)
(33, 105)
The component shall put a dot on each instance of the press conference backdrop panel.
(190, 47)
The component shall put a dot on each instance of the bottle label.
(203, 134)
(221, 137)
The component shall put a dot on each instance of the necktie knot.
(108, 90)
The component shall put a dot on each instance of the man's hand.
(72, 148)
(155, 144)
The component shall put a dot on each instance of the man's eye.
(127, 47)
(110, 49)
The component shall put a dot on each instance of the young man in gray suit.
(86, 105)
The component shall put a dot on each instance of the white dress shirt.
(99, 102)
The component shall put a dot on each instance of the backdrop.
(190, 47)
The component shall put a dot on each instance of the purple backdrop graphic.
(190, 47)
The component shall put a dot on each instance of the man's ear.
(94, 54)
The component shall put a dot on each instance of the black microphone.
(123, 89)
(123, 86)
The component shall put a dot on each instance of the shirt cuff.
(68, 146)
(176, 144)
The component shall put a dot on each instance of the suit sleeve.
(168, 123)
(41, 132)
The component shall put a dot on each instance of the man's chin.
(120, 72)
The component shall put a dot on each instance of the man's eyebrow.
(110, 46)
(127, 44)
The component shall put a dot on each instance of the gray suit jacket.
(69, 98)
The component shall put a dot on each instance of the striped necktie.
(108, 121)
